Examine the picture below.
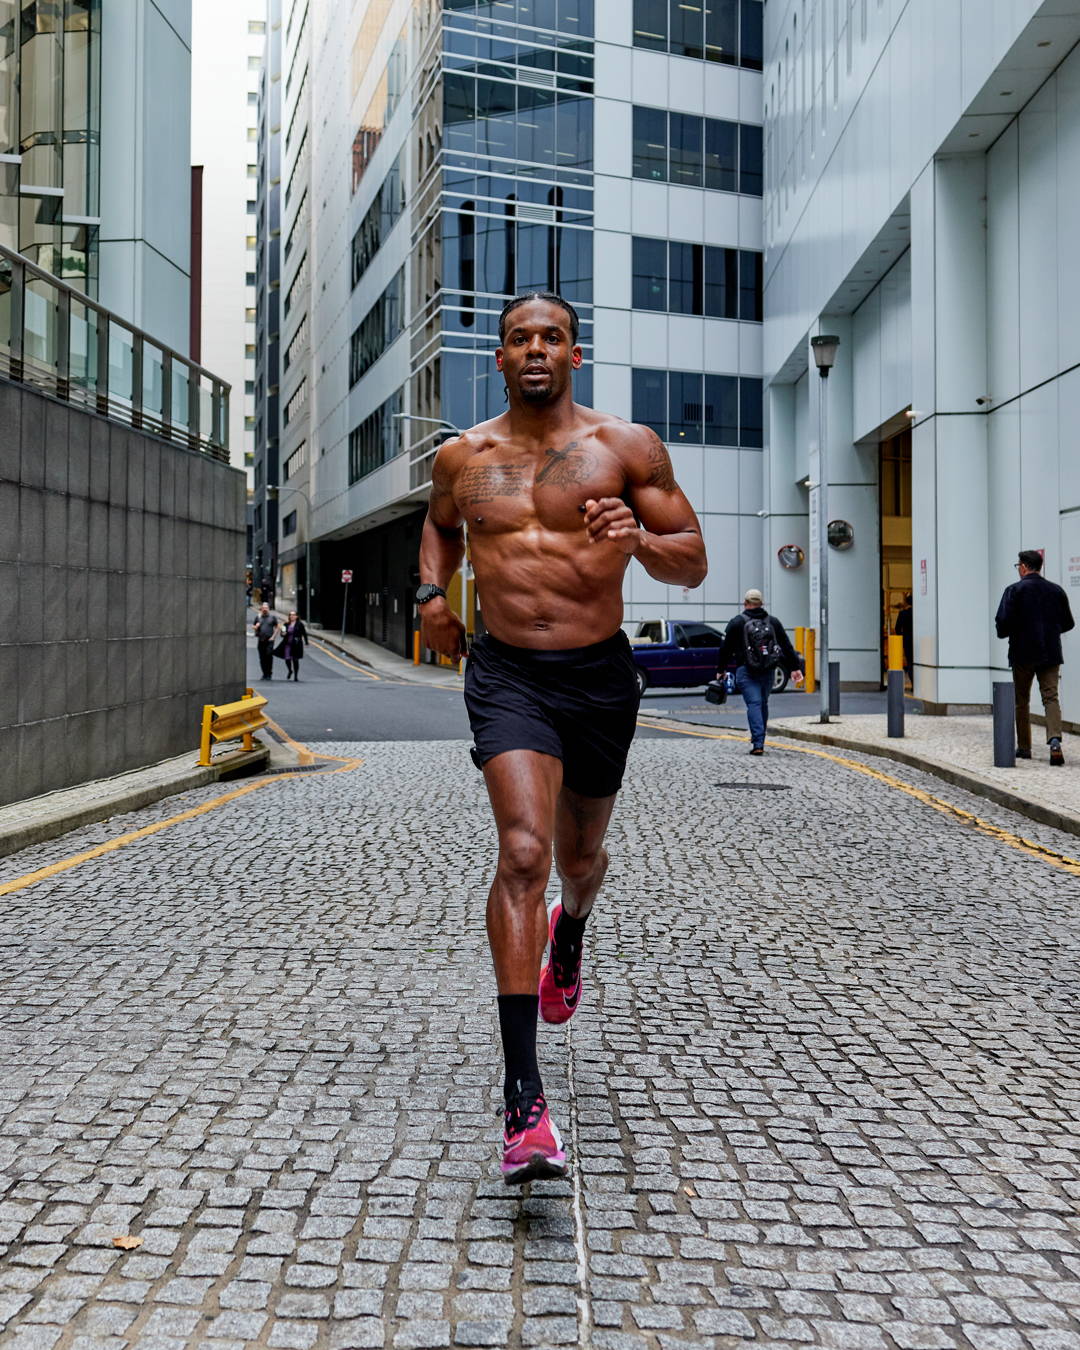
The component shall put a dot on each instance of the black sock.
(517, 1023)
(570, 932)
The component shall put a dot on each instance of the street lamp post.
(456, 431)
(824, 349)
(277, 491)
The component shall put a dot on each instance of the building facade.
(264, 511)
(94, 151)
(921, 191)
(611, 152)
(226, 66)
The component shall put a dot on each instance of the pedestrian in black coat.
(1033, 614)
(291, 647)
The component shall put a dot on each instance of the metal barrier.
(58, 340)
(230, 721)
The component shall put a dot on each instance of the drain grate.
(755, 787)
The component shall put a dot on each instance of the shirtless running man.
(553, 494)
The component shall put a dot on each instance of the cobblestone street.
(823, 1090)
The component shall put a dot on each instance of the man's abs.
(552, 592)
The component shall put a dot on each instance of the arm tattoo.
(660, 474)
(482, 483)
(565, 468)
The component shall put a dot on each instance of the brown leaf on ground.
(127, 1243)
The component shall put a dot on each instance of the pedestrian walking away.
(755, 642)
(558, 499)
(291, 647)
(265, 628)
(1033, 614)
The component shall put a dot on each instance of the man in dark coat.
(756, 642)
(265, 628)
(1033, 614)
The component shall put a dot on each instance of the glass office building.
(50, 134)
(609, 150)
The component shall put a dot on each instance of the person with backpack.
(756, 643)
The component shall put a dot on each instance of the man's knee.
(580, 866)
(524, 857)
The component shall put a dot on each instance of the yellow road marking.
(349, 665)
(303, 754)
(111, 845)
(1062, 861)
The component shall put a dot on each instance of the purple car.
(679, 653)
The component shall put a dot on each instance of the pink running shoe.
(560, 984)
(532, 1148)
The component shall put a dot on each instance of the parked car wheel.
(642, 680)
(780, 680)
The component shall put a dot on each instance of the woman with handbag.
(291, 647)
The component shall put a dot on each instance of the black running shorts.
(579, 705)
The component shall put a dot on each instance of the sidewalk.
(38, 819)
(383, 662)
(959, 750)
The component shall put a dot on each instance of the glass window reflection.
(721, 410)
(650, 143)
(649, 274)
(648, 400)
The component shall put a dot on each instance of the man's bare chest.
(502, 489)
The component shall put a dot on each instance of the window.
(288, 525)
(296, 401)
(696, 151)
(650, 143)
(379, 327)
(377, 439)
(249, 386)
(298, 283)
(379, 219)
(650, 274)
(686, 406)
(297, 342)
(255, 63)
(728, 31)
(299, 224)
(256, 26)
(720, 283)
(296, 460)
(253, 100)
(251, 240)
(249, 278)
(252, 207)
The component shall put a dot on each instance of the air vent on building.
(527, 75)
(543, 215)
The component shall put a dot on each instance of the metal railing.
(58, 340)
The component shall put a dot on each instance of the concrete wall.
(121, 587)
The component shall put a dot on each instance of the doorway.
(894, 479)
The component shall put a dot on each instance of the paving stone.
(806, 1113)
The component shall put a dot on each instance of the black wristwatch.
(428, 591)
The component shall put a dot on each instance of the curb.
(131, 797)
(981, 787)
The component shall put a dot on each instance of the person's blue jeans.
(755, 688)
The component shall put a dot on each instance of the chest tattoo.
(482, 483)
(568, 467)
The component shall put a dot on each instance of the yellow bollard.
(811, 663)
(800, 641)
(896, 652)
(416, 648)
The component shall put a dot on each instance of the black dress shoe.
(1023, 754)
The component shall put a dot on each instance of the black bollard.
(1004, 725)
(834, 688)
(895, 705)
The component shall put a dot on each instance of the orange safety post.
(811, 661)
(896, 652)
(416, 648)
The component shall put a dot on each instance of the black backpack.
(762, 649)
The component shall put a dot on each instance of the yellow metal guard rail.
(230, 721)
